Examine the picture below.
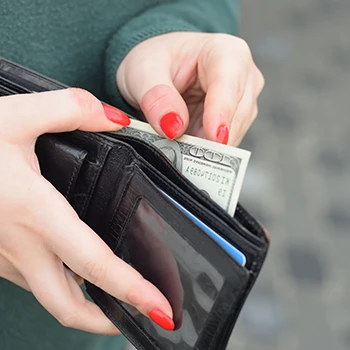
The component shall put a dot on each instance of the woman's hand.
(39, 231)
(206, 85)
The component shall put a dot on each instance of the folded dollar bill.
(217, 170)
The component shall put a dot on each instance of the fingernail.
(171, 124)
(116, 116)
(222, 134)
(162, 320)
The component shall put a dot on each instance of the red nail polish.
(162, 320)
(116, 116)
(222, 134)
(171, 124)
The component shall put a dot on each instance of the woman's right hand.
(39, 230)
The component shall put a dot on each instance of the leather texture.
(116, 183)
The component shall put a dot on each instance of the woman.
(169, 59)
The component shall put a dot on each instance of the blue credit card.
(229, 248)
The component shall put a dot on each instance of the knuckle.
(260, 81)
(133, 298)
(133, 295)
(85, 103)
(255, 112)
(230, 41)
(243, 46)
(237, 88)
(68, 319)
(155, 97)
(226, 112)
(29, 202)
(96, 273)
(112, 332)
(221, 39)
(35, 208)
(247, 113)
(6, 268)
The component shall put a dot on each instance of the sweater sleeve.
(210, 16)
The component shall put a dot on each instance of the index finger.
(26, 116)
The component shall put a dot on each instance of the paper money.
(217, 170)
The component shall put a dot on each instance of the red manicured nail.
(171, 124)
(222, 134)
(116, 116)
(162, 320)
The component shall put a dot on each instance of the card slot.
(5, 91)
(232, 234)
(139, 184)
(27, 78)
(250, 223)
(235, 233)
(12, 87)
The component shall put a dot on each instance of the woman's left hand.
(206, 85)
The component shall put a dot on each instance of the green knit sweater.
(81, 43)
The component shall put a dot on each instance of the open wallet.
(133, 197)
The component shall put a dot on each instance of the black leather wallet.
(117, 185)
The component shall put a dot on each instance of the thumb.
(150, 86)
(165, 108)
(30, 115)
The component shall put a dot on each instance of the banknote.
(217, 170)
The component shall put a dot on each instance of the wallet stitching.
(117, 322)
(131, 319)
(113, 216)
(78, 166)
(118, 236)
(100, 159)
(220, 326)
(234, 307)
(251, 222)
(89, 192)
(121, 237)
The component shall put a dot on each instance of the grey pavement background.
(298, 179)
(298, 182)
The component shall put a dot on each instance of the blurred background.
(298, 180)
